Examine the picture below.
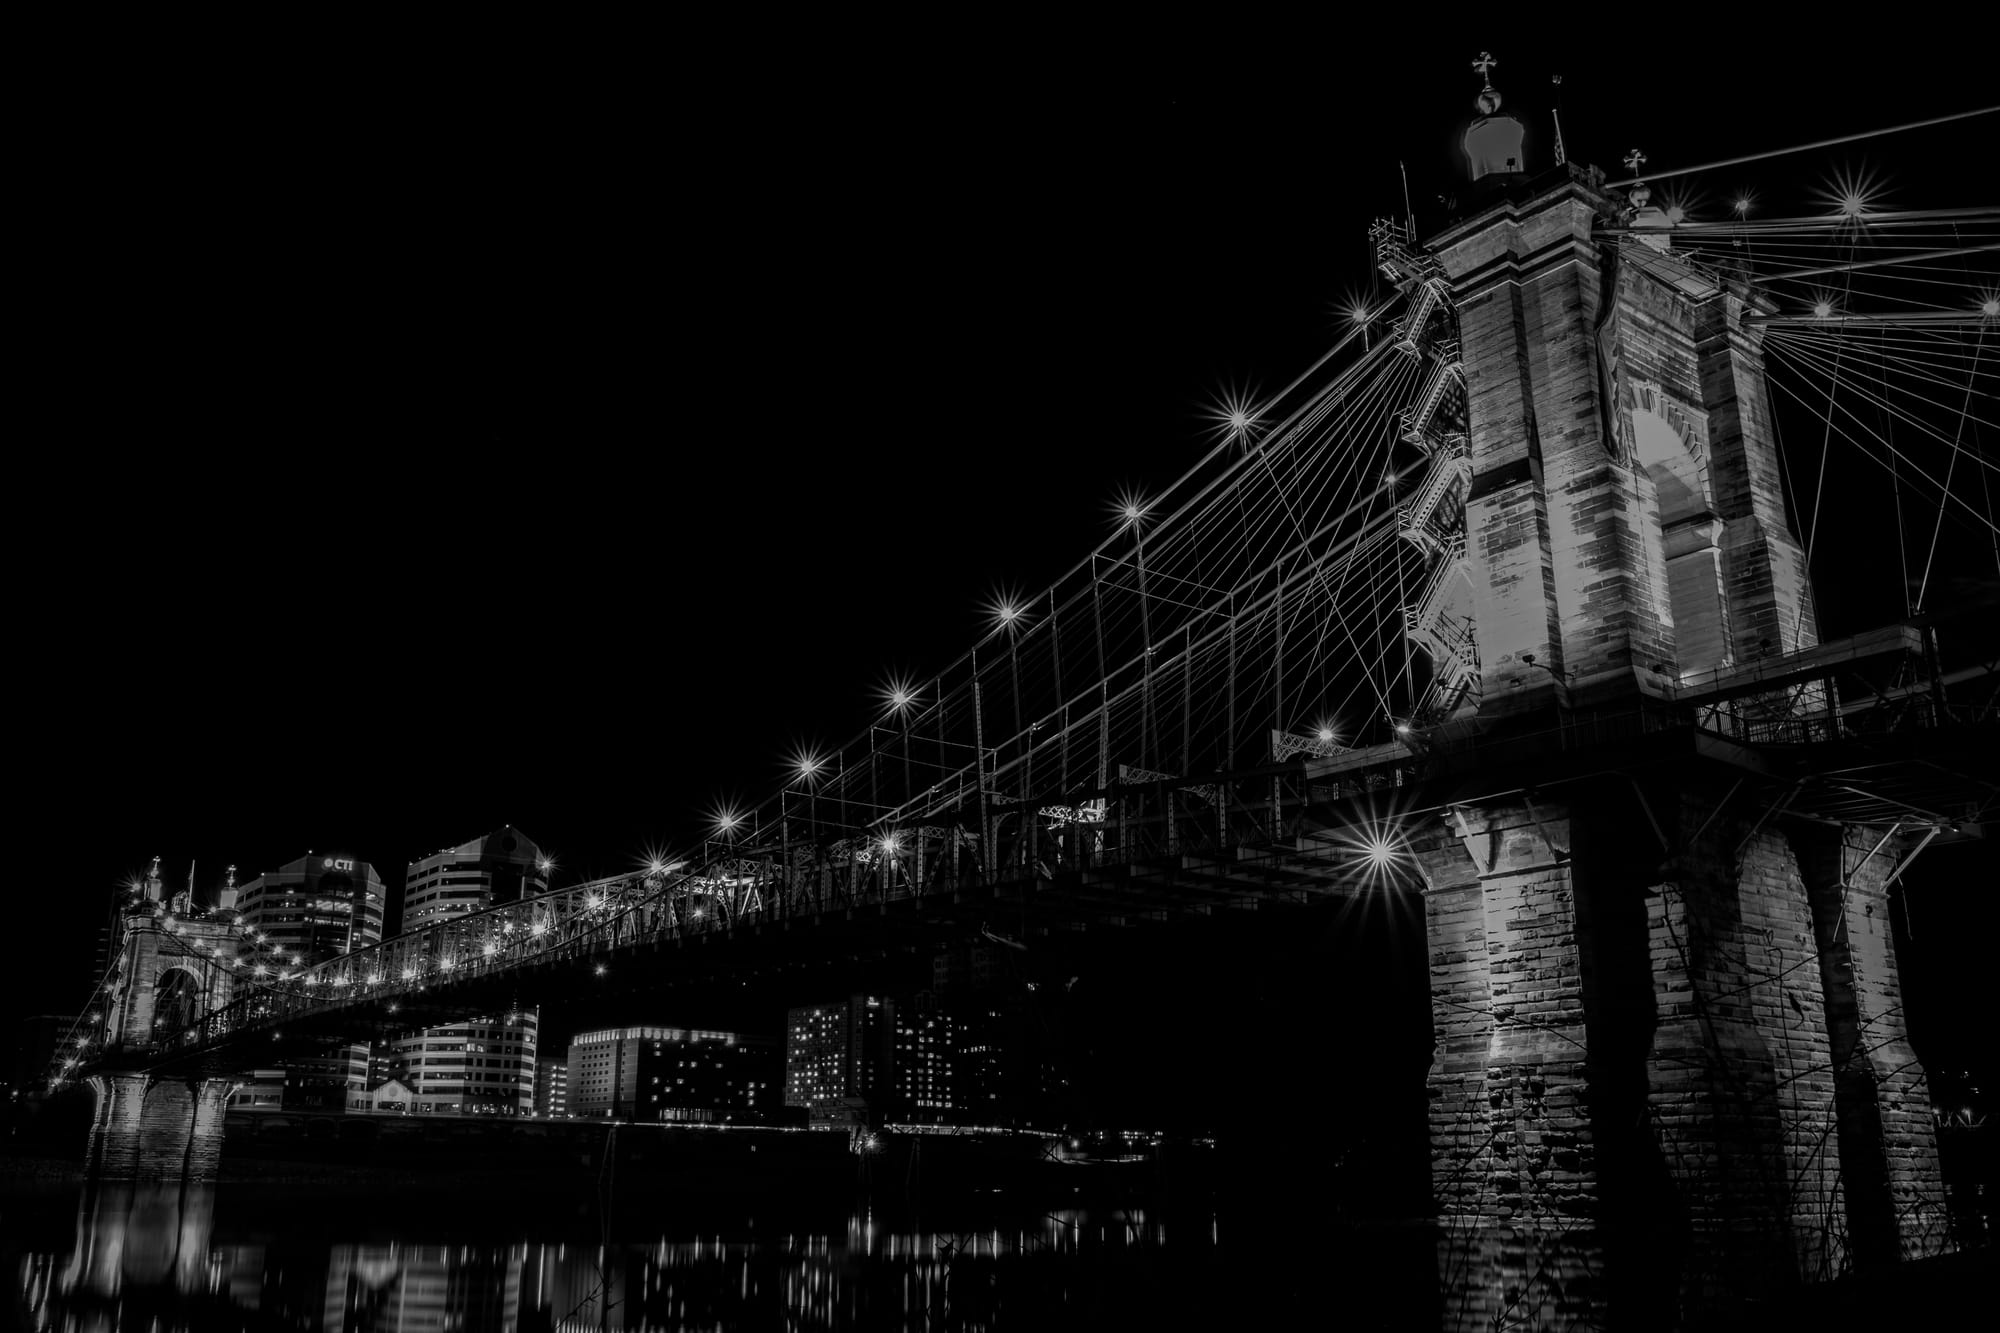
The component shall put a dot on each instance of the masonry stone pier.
(152, 1128)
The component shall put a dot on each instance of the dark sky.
(432, 438)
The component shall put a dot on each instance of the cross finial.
(1634, 160)
(1484, 64)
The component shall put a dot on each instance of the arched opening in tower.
(1691, 535)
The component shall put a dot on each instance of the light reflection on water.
(156, 1258)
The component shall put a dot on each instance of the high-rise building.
(681, 1075)
(487, 1066)
(307, 911)
(318, 907)
(551, 1089)
(839, 1056)
(484, 1066)
(502, 867)
(923, 1056)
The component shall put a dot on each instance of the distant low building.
(677, 1075)
(551, 1089)
(261, 1090)
(392, 1098)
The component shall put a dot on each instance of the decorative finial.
(1642, 193)
(1556, 113)
(229, 880)
(1489, 98)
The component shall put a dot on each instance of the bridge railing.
(758, 882)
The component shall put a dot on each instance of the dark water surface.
(438, 1256)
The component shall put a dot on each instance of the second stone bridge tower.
(1671, 1070)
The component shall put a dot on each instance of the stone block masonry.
(1668, 1073)
(148, 1128)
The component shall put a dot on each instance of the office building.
(307, 911)
(318, 907)
(485, 1066)
(551, 1089)
(839, 1058)
(679, 1075)
(923, 1056)
(502, 867)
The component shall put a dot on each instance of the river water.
(440, 1260)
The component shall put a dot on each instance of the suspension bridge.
(1508, 600)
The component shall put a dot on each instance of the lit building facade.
(839, 1056)
(315, 908)
(484, 1066)
(307, 911)
(502, 867)
(924, 1057)
(551, 1089)
(679, 1075)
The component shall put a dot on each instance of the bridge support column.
(1511, 1154)
(1891, 1181)
(147, 1128)
(1671, 1074)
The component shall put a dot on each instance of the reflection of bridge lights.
(602, 969)
(1744, 203)
(69, 1063)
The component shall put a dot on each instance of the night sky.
(431, 440)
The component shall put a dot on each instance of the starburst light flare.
(1131, 508)
(1236, 416)
(898, 692)
(1007, 610)
(807, 764)
(1852, 194)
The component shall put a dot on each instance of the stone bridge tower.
(172, 969)
(1671, 1070)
